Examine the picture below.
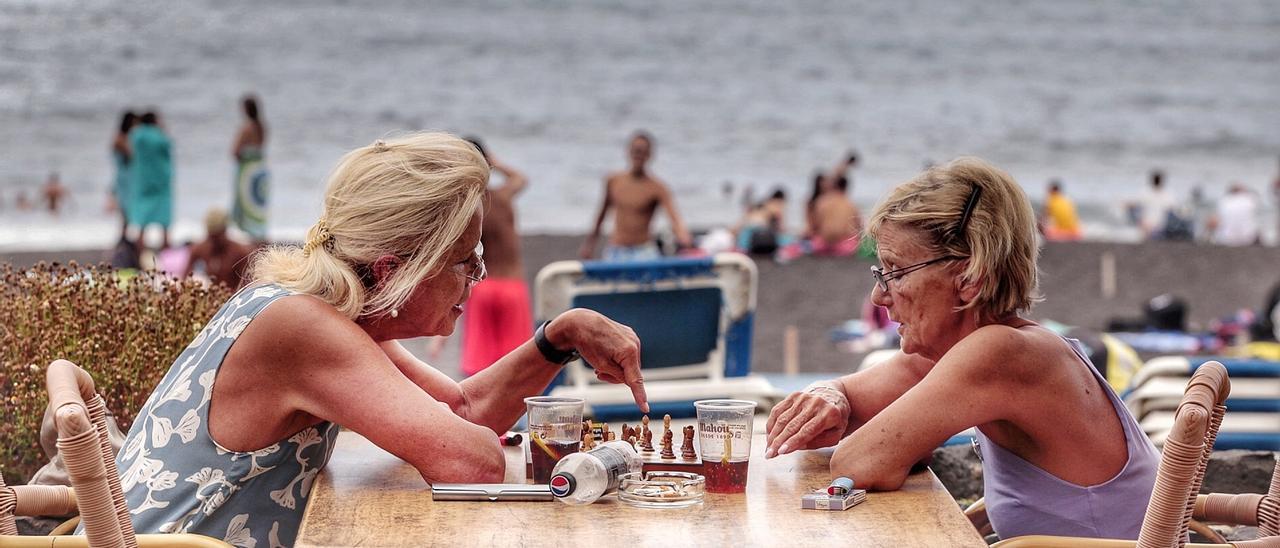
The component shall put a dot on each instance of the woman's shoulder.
(303, 325)
(305, 312)
(1016, 353)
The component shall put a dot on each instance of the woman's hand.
(815, 417)
(611, 348)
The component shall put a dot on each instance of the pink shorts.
(496, 320)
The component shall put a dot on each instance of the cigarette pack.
(820, 500)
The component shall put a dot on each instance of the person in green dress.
(150, 179)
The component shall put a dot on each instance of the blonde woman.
(1061, 455)
(231, 440)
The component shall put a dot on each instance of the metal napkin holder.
(493, 492)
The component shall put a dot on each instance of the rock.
(960, 472)
(1239, 471)
(1234, 471)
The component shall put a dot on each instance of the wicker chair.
(80, 416)
(1175, 500)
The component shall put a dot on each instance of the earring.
(395, 312)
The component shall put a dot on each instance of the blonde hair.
(998, 238)
(215, 220)
(410, 196)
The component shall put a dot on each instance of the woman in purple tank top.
(1061, 454)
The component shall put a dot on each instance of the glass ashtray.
(661, 489)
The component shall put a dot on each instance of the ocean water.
(753, 93)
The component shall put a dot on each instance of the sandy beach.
(818, 294)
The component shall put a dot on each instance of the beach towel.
(150, 178)
(252, 188)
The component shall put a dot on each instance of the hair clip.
(968, 212)
(380, 146)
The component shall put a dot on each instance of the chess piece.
(604, 432)
(667, 452)
(625, 432)
(588, 440)
(609, 436)
(645, 435)
(632, 441)
(686, 447)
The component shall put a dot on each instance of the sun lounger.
(1253, 411)
(694, 318)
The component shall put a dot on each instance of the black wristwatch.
(549, 351)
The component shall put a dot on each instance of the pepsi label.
(562, 484)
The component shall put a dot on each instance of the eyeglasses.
(476, 271)
(883, 278)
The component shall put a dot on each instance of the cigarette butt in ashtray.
(840, 487)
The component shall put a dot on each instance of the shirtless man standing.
(498, 316)
(636, 195)
(225, 260)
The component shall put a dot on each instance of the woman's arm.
(495, 397)
(969, 386)
(330, 369)
(825, 412)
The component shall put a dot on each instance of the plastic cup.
(724, 435)
(555, 430)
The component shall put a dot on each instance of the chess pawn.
(625, 432)
(588, 440)
(686, 447)
(667, 452)
(632, 441)
(604, 431)
(610, 436)
(666, 428)
(645, 435)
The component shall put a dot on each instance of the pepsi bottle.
(581, 478)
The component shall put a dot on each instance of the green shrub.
(123, 329)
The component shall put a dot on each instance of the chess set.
(662, 455)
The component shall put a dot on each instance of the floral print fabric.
(176, 479)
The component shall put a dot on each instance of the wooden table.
(368, 497)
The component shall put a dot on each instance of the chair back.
(1185, 457)
(693, 316)
(80, 415)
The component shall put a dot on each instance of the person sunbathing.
(1061, 455)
